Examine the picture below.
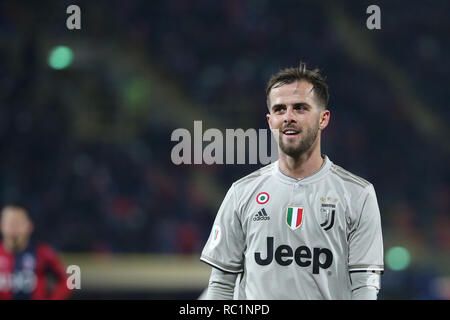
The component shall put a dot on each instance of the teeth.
(290, 132)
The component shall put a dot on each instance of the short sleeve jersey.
(297, 238)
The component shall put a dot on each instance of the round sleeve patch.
(262, 197)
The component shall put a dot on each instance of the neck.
(303, 166)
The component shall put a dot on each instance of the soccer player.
(301, 227)
(24, 266)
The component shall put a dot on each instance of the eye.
(300, 107)
(278, 109)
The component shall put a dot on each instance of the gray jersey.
(297, 238)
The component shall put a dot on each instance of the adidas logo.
(261, 215)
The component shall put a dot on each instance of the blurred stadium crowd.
(88, 148)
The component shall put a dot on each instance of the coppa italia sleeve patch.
(216, 235)
(262, 197)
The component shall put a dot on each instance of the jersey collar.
(309, 179)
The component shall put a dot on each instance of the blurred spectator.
(24, 265)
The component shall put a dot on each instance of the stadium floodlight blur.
(60, 57)
(89, 145)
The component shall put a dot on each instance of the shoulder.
(255, 176)
(348, 177)
(44, 250)
(357, 192)
(353, 183)
(42, 246)
(242, 190)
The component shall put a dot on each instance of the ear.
(268, 120)
(324, 119)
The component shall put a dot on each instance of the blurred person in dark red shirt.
(25, 266)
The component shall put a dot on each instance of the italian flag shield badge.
(294, 217)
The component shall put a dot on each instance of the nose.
(289, 115)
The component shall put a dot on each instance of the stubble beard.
(303, 146)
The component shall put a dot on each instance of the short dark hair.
(290, 75)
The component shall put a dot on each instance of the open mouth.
(290, 132)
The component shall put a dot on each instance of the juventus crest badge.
(327, 212)
(327, 218)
